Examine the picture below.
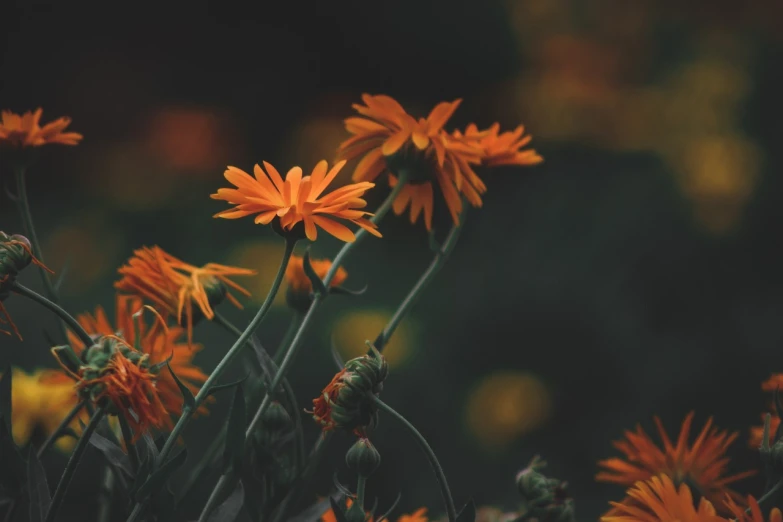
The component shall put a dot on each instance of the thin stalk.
(227, 325)
(72, 323)
(58, 431)
(433, 459)
(238, 345)
(769, 494)
(104, 508)
(361, 484)
(70, 468)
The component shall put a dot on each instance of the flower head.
(501, 148)
(659, 500)
(755, 515)
(701, 464)
(390, 140)
(297, 199)
(300, 288)
(173, 286)
(26, 131)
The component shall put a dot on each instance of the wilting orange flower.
(173, 286)
(26, 131)
(157, 343)
(391, 140)
(501, 148)
(5, 317)
(757, 432)
(755, 515)
(659, 500)
(702, 464)
(297, 200)
(322, 405)
(298, 281)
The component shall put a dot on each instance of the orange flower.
(298, 280)
(391, 140)
(501, 148)
(26, 131)
(297, 200)
(740, 515)
(417, 516)
(322, 405)
(658, 500)
(157, 344)
(173, 286)
(5, 317)
(702, 464)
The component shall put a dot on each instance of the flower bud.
(543, 498)
(363, 457)
(276, 418)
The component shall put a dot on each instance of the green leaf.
(218, 387)
(229, 510)
(5, 395)
(268, 366)
(318, 285)
(12, 464)
(112, 453)
(147, 449)
(341, 290)
(159, 477)
(468, 512)
(235, 434)
(37, 488)
(187, 395)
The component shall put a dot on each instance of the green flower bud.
(276, 418)
(363, 457)
(543, 498)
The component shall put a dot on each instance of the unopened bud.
(276, 418)
(363, 457)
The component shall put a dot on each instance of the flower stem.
(72, 323)
(70, 468)
(441, 255)
(59, 430)
(222, 365)
(361, 483)
(436, 467)
(127, 437)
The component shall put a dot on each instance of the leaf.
(268, 366)
(112, 453)
(5, 395)
(235, 434)
(318, 284)
(148, 449)
(12, 465)
(341, 290)
(468, 512)
(187, 395)
(37, 488)
(159, 476)
(315, 511)
(229, 510)
(219, 387)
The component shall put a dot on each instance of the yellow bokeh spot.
(264, 257)
(314, 140)
(354, 328)
(506, 405)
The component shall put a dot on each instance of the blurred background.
(636, 272)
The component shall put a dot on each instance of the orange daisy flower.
(297, 200)
(740, 515)
(25, 130)
(501, 148)
(173, 286)
(659, 500)
(157, 343)
(702, 464)
(391, 140)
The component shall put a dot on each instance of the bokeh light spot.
(354, 328)
(264, 257)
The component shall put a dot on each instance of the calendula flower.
(659, 500)
(701, 464)
(142, 347)
(39, 405)
(344, 402)
(755, 515)
(501, 148)
(173, 286)
(300, 288)
(391, 140)
(25, 130)
(15, 255)
(297, 200)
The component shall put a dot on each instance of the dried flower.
(300, 288)
(501, 148)
(173, 286)
(26, 131)
(391, 140)
(297, 200)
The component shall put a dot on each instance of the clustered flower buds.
(345, 402)
(544, 499)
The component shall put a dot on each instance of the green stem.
(70, 468)
(58, 431)
(361, 483)
(104, 507)
(222, 365)
(437, 263)
(127, 436)
(72, 323)
(769, 494)
(227, 325)
(436, 467)
(293, 326)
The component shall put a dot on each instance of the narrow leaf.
(341, 290)
(147, 449)
(187, 395)
(112, 453)
(229, 510)
(268, 366)
(37, 488)
(5, 395)
(235, 434)
(318, 285)
(159, 477)
(155, 369)
(218, 387)
(12, 465)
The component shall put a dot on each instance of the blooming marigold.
(297, 200)
(501, 148)
(659, 500)
(173, 286)
(755, 515)
(154, 344)
(702, 464)
(300, 288)
(25, 130)
(391, 140)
